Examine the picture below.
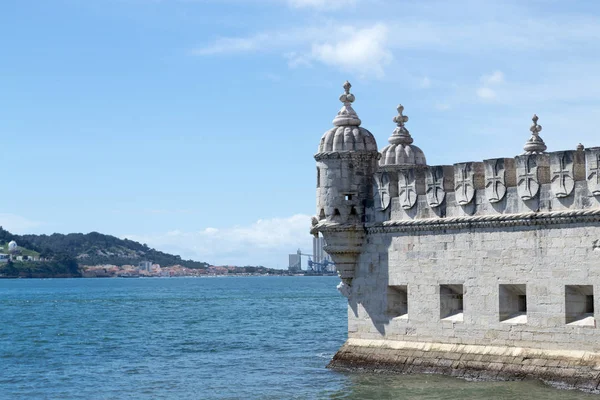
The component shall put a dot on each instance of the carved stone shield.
(407, 189)
(562, 180)
(528, 184)
(495, 184)
(464, 183)
(593, 174)
(381, 191)
(434, 180)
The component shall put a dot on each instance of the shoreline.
(562, 369)
(165, 277)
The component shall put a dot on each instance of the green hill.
(93, 249)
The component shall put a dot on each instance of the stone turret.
(346, 163)
(401, 151)
(401, 166)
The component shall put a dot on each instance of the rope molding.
(348, 155)
(479, 221)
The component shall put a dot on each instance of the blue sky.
(191, 124)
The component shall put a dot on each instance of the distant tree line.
(61, 266)
(248, 269)
(94, 248)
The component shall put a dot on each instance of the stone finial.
(347, 115)
(580, 147)
(535, 144)
(400, 134)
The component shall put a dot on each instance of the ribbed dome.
(347, 138)
(347, 135)
(401, 151)
(401, 154)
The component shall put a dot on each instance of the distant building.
(12, 246)
(295, 262)
(4, 258)
(215, 270)
(145, 265)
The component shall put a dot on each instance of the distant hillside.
(94, 248)
(22, 250)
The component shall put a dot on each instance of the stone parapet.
(561, 180)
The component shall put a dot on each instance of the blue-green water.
(221, 338)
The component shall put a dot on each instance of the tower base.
(560, 368)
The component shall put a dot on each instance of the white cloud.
(233, 45)
(287, 41)
(296, 60)
(17, 224)
(266, 242)
(445, 27)
(442, 106)
(494, 78)
(363, 51)
(486, 93)
(322, 4)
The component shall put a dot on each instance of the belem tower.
(484, 270)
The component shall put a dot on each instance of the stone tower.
(346, 163)
(483, 269)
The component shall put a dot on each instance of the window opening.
(513, 304)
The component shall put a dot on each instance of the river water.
(198, 338)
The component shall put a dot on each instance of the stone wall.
(538, 261)
(409, 276)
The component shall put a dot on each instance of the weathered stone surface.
(468, 177)
(592, 156)
(532, 172)
(346, 165)
(471, 362)
(407, 188)
(499, 174)
(439, 180)
(535, 144)
(401, 151)
(566, 167)
(381, 190)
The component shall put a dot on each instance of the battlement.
(543, 182)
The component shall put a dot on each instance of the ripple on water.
(232, 338)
